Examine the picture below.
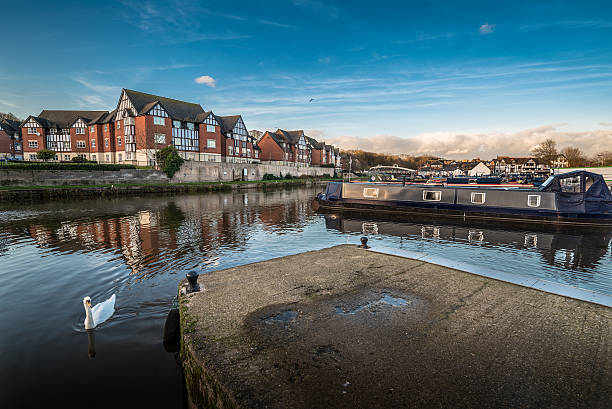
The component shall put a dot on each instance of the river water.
(53, 254)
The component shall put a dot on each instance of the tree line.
(547, 150)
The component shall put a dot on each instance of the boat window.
(478, 198)
(533, 200)
(588, 183)
(370, 192)
(571, 184)
(432, 195)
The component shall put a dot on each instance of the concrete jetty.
(346, 327)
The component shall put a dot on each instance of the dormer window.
(176, 124)
(190, 126)
(52, 131)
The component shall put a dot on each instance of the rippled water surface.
(53, 254)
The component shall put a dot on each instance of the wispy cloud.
(569, 24)
(8, 104)
(207, 80)
(484, 145)
(319, 7)
(605, 123)
(486, 28)
(101, 88)
(92, 101)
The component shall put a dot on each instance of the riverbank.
(345, 327)
(27, 193)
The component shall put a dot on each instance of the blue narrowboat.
(577, 197)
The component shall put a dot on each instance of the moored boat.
(577, 197)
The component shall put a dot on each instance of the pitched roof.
(65, 119)
(228, 122)
(179, 110)
(315, 144)
(293, 137)
(10, 126)
(105, 118)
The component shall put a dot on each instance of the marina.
(140, 247)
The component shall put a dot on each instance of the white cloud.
(486, 28)
(206, 79)
(93, 100)
(484, 145)
(103, 89)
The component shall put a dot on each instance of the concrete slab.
(344, 327)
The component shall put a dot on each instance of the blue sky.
(443, 77)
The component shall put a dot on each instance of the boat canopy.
(580, 191)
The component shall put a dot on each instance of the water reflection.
(191, 230)
(91, 343)
(567, 249)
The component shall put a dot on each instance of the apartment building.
(296, 148)
(10, 139)
(140, 125)
(64, 132)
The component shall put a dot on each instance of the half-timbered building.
(286, 147)
(10, 139)
(238, 145)
(64, 132)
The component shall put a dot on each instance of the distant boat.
(578, 197)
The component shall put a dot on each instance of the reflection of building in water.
(581, 250)
(165, 233)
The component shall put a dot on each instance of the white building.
(480, 170)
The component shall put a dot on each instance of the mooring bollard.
(192, 279)
(364, 243)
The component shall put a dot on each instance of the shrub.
(79, 159)
(45, 154)
(269, 176)
(169, 160)
(63, 166)
(288, 176)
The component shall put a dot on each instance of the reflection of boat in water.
(572, 198)
(560, 246)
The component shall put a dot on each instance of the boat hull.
(465, 213)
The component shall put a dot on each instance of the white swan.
(99, 313)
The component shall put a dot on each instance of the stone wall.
(190, 172)
(213, 172)
(19, 177)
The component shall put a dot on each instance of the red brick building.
(10, 139)
(286, 147)
(65, 132)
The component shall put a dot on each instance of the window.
(210, 128)
(176, 124)
(106, 144)
(477, 197)
(211, 144)
(94, 158)
(118, 141)
(230, 150)
(52, 131)
(160, 137)
(120, 157)
(66, 157)
(33, 144)
(256, 154)
(158, 120)
(370, 192)
(105, 128)
(80, 131)
(571, 184)
(107, 158)
(66, 131)
(32, 156)
(92, 129)
(533, 200)
(118, 124)
(190, 126)
(93, 143)
(432, 195)
(80, 144)
(32, 131)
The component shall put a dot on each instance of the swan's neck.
(89, 322)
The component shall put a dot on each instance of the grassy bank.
(17, 193)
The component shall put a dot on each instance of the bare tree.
(8, 115)
(603, 159)
(546, 150)
(574, 156)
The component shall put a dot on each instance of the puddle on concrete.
(384, 300)
(281, 317)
